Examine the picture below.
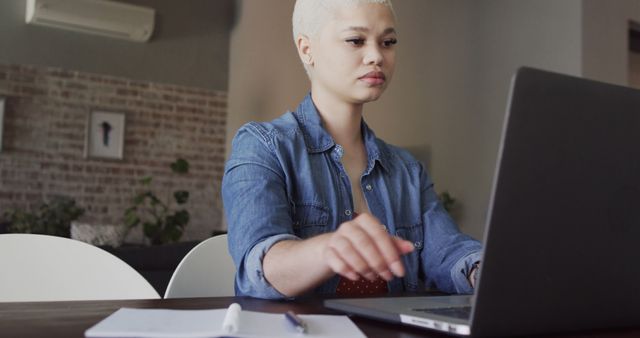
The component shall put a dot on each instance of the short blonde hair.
(309, 16)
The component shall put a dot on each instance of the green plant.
(448, 201)
(53, 218)
(160, 222)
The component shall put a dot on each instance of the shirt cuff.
(255, 273)
(461, 270)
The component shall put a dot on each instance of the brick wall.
(44, 140)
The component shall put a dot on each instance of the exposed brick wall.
(44, 139)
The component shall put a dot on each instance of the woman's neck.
(342, 120)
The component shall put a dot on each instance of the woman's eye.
(389, 42)
(356, 41)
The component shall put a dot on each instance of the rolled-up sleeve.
(461, 271)
(448, 254)
(257, 209)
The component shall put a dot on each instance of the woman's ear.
(304, 50)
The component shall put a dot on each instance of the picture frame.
(105, 135)
(2, 100)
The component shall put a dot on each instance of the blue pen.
(297, 323)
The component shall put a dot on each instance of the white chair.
(206, 271)
(50, 268)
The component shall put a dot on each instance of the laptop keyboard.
(460, 312)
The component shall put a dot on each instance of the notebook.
(563, 223)
(165, 323)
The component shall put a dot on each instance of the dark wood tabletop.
(71, 319)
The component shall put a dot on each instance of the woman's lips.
(373, 78)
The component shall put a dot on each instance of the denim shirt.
(285, 181)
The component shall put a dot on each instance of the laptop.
(563, 229)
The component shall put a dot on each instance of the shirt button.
(369, 187)
(417, 244)
(347, 212)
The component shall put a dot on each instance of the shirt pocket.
(310, 219)
(414, 234)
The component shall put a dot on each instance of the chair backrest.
(206, 271)
(49, 268)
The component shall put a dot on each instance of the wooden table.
(71, 319)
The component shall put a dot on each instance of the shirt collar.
(375, 150)
(318, 139)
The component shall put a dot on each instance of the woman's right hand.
(362, 247)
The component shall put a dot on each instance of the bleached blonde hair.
(309, 16)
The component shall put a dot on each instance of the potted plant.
(52, 218)
(163, 223)
(160, 222)
(450, 204)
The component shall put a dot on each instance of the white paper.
(162, 323)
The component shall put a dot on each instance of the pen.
(297, 323)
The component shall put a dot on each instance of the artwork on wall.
(1, 120)
(105, 135)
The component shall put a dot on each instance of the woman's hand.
(362, 247)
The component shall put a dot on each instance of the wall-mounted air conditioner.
(102, 17)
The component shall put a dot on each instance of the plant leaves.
(159, 224)
(53, 218)
(181, 218)
(151, 229)
(139, 199)
(180, 166)
(131, 219)
(447, 201)
(181, 196)
(175, 234)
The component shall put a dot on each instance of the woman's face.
(354, 53)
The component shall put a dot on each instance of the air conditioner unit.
(102, 17)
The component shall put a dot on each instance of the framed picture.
(105, 135)
(1, 120)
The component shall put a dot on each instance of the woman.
(315, 202)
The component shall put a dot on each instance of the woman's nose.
(373, 56)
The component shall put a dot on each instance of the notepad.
(164, 323)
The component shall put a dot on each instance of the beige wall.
(605, 40)
(265, 77)
(447, 101)
(634, 70)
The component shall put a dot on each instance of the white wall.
(448, 98)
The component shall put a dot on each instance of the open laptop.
(563, 230)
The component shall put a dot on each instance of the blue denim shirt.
(285, 181)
